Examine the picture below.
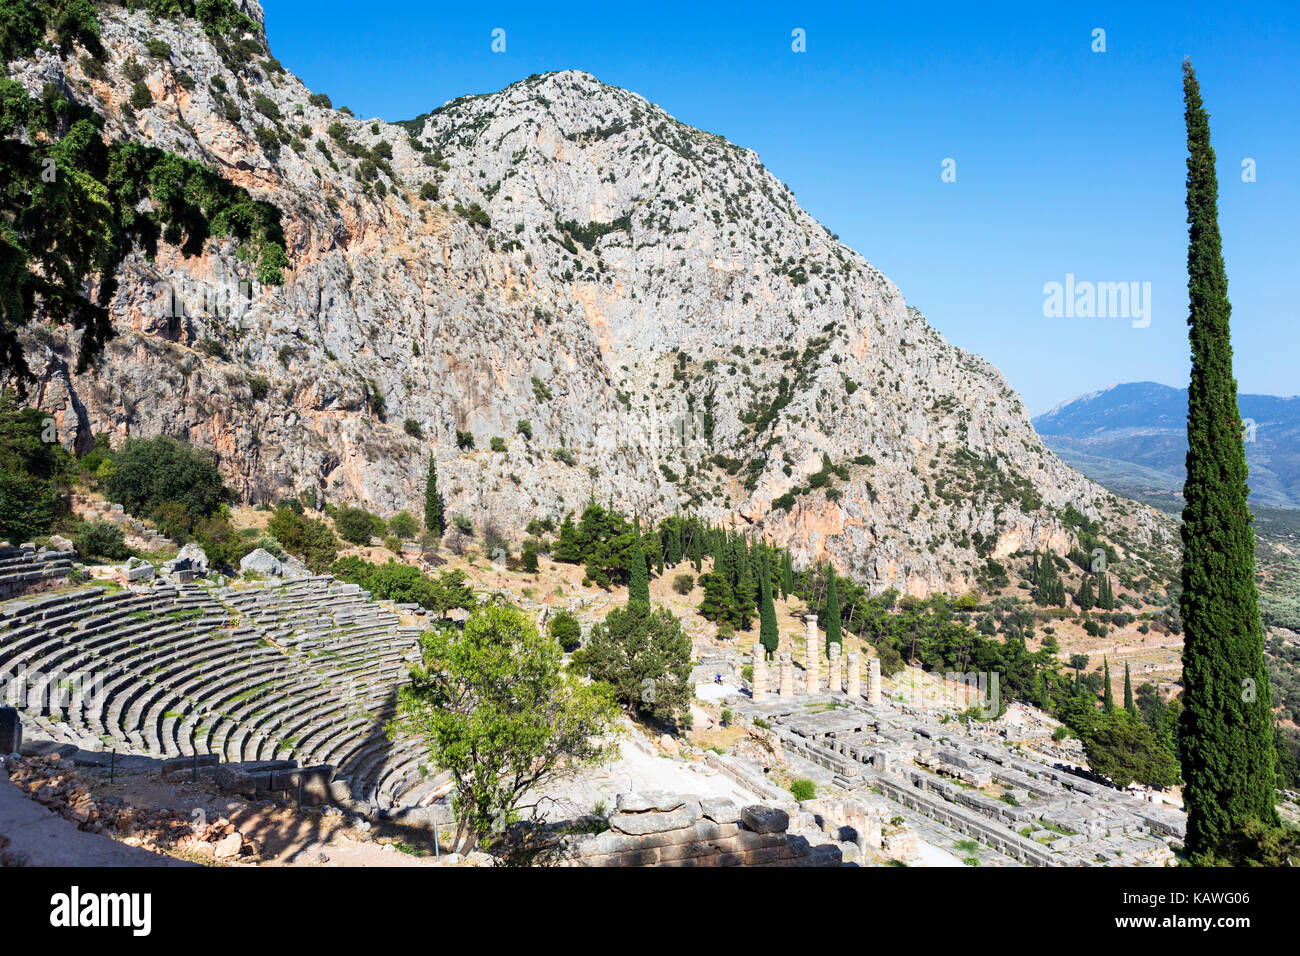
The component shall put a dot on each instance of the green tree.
(528, 557)
(1226, 733)
(1085, 597)
(768, 633)
(745, 598)
(500, 715)
(1123, 748)
(33, 473)
(451, 591)
(357, 525)
(644, 655)
(153, 471)
(1105, 594)
(564, 627)
(834, 634)
(434, 519)
(1128, 690)
(638, 588)
(308, 538)
(403, 525)
(1108, 696)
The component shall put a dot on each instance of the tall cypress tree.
(638, 588)
(433, 509)
(1105, 594)
(746, 592)
(1084, 596)
(767, 629)
(1108, 696)
(787, 576)
(1226, 735)
(833, 632)
(1128, 690)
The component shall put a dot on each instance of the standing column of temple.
(855, 676)
(873, 682)
(835, 685)
(758, 684)
(787, 676)
(813, 657)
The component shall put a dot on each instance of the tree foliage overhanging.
(70, 202)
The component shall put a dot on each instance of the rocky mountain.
(1133, 439)
(564, 294)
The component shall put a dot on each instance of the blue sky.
(1067, 160)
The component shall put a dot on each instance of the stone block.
(761, 819)
(720, 809)
(655, 821)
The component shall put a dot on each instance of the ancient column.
(873, 682)
(814, 655)
(835, 685)
(758, 684)
(855, 676)
(787, 676)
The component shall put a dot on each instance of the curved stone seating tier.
(24, 568)
(306, 668)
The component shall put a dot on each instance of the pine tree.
(638, 588)
(568, 547)
(1226, 736)
(833, 633)
(717, 601)
(787, 576)
(767, 629)
(434, 521)
(1128, 690)
(1108, 695)
(1084, 595)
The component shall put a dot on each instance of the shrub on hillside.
(307, 538)
(100, 539)
(358, 525)
(403, 525)
(564, 627)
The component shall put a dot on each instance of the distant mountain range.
(1132, 438)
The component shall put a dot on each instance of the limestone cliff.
(672, 328)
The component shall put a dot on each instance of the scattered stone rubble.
(54, 782)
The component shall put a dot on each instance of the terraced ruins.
(295, 678)
(302, 671)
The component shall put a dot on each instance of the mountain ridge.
(628, 308)
(1134, 434)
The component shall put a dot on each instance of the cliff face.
(672, 328)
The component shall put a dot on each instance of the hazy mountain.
(1133, 439)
